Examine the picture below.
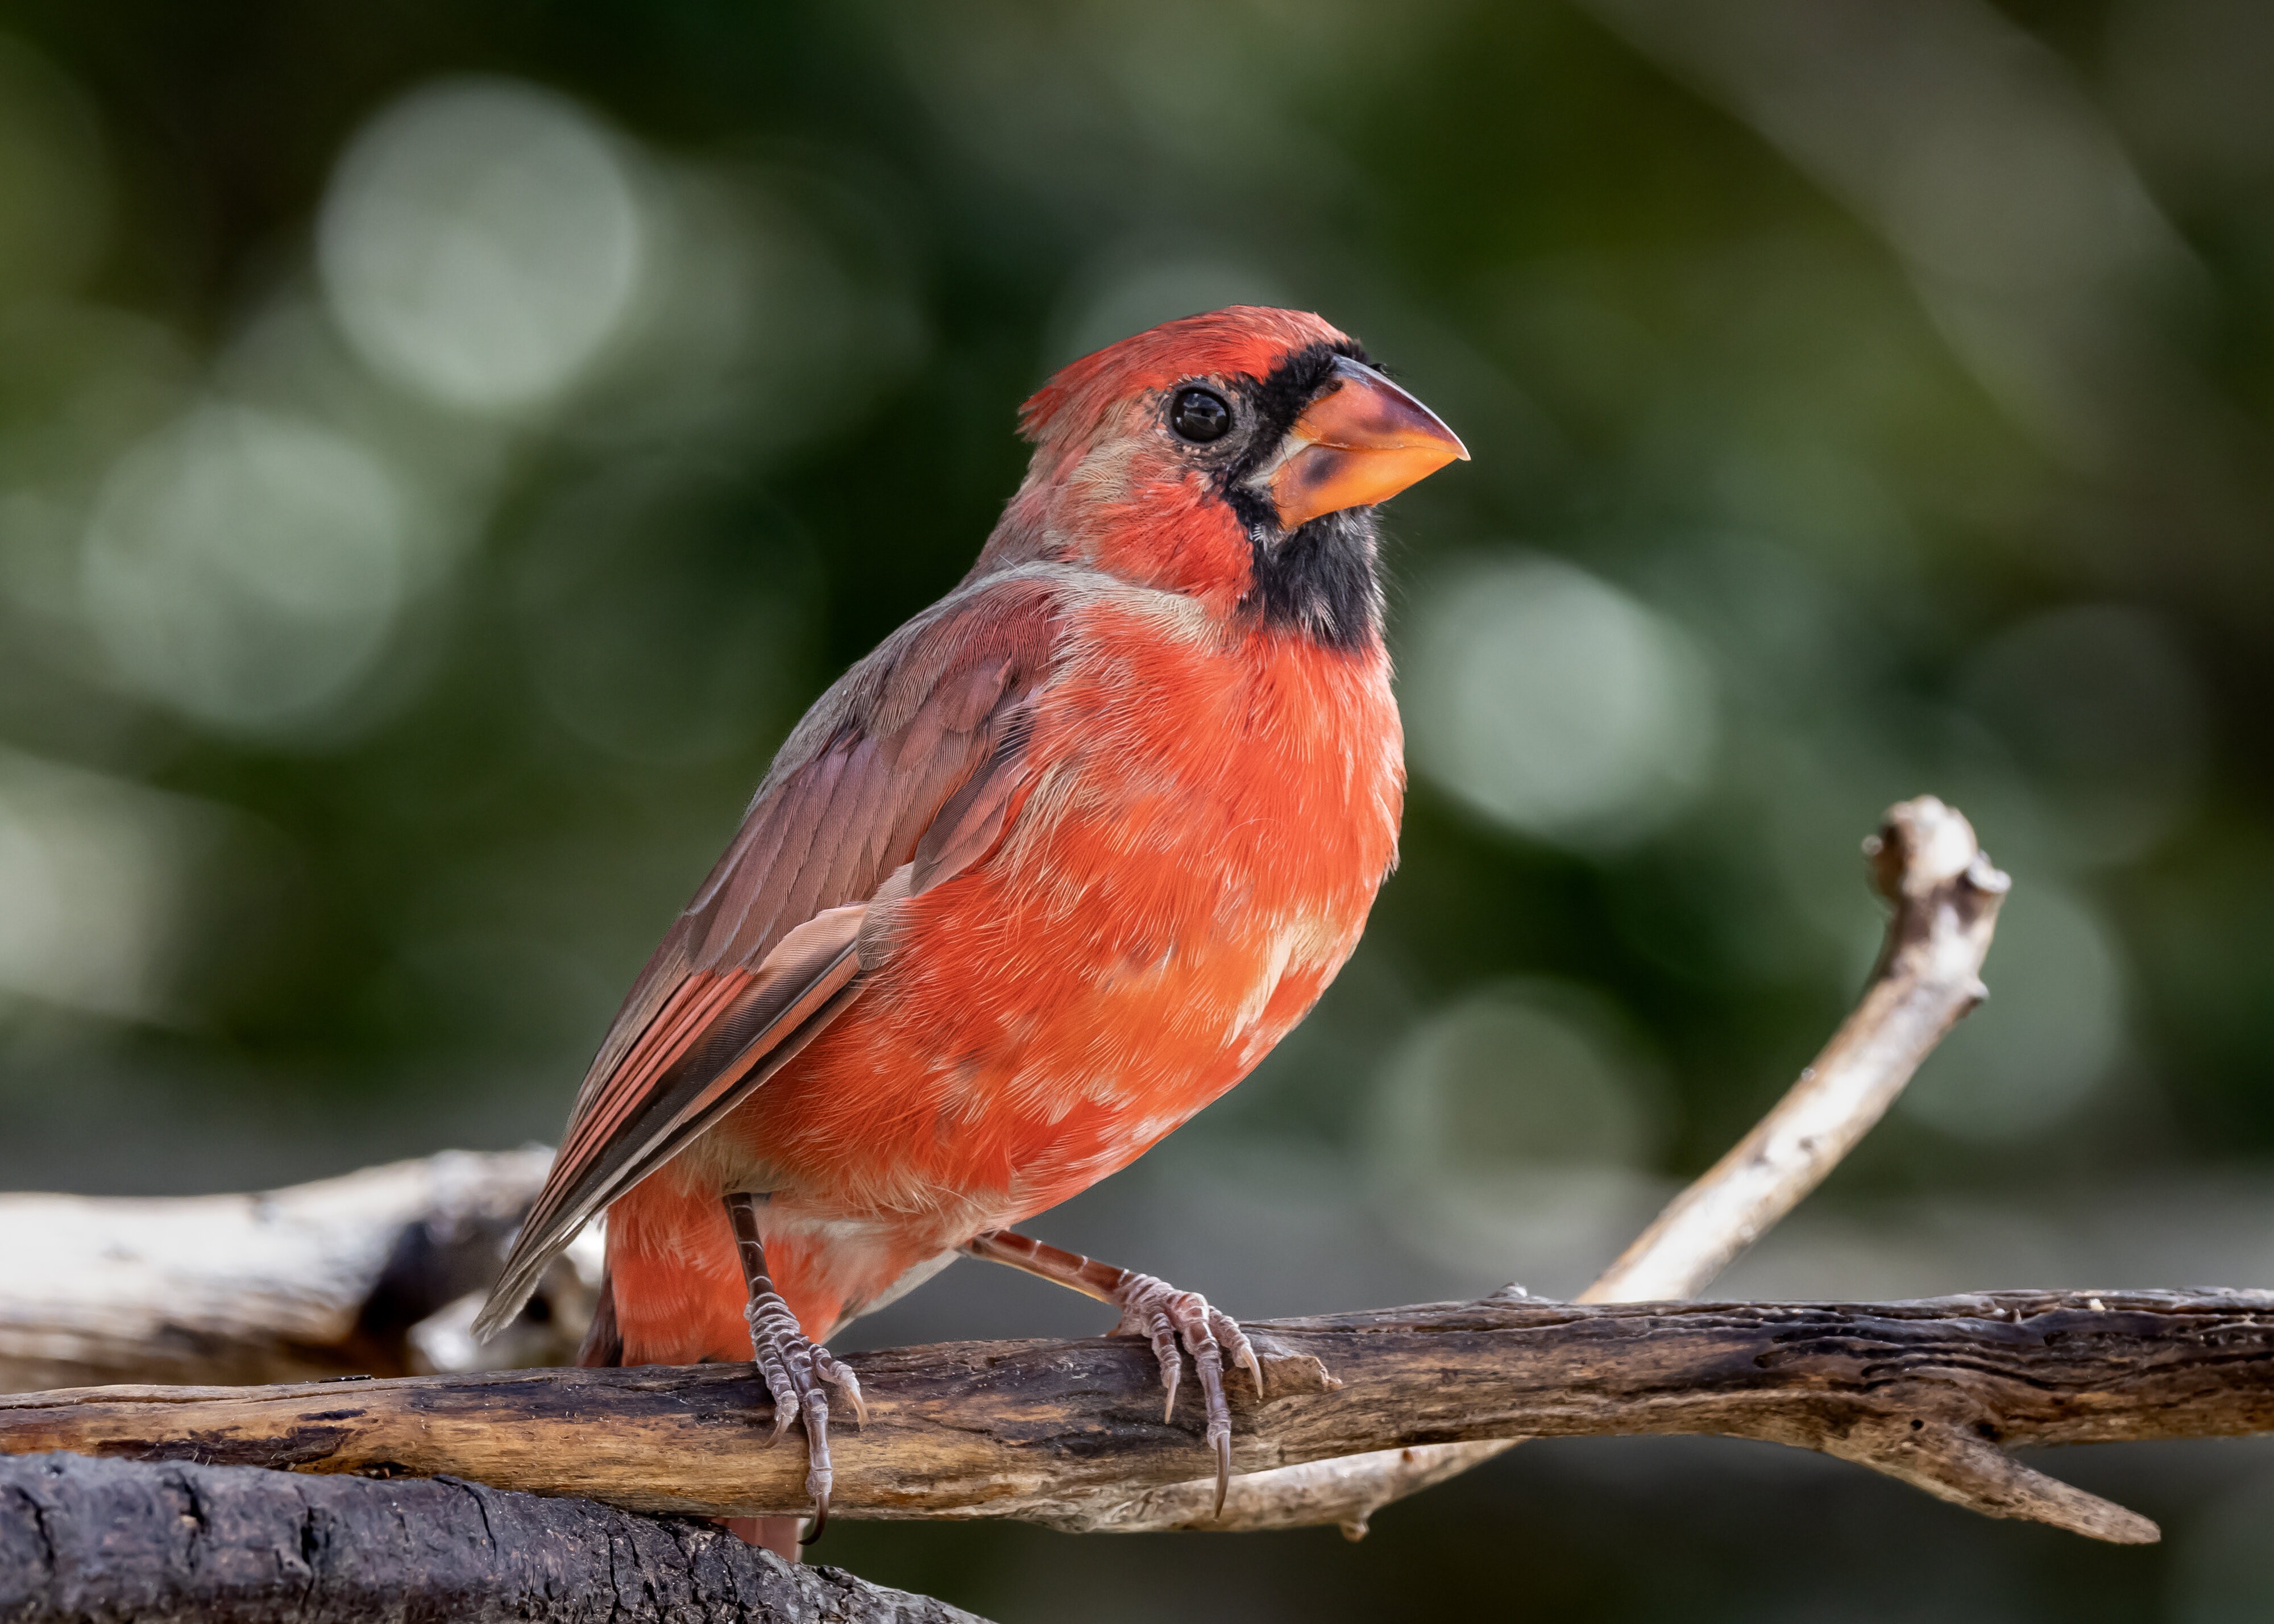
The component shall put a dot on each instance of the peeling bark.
(1931, 1392)
(105, 1542)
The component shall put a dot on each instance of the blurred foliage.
(443, 447)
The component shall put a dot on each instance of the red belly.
(1175, 894)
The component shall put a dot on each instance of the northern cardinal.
(1039, 878)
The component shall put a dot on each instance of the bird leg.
(1153, 1308)
(797, 1370)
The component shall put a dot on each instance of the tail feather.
(604, 1339)
(804, 984)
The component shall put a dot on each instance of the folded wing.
(900, 777)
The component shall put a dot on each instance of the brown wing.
(899, 777)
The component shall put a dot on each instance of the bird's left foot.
(1154, 1309)
(800, 1373)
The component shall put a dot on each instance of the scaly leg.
(797, 1370)
(1149, 1308)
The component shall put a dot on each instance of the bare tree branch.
(318, 1280)
(1926, 863)
(1945, 893)
(1931, 1392)
(1062, 1433)
(83, 1540)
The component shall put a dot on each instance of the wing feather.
(900, 777)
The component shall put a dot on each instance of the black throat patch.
(1322, 579)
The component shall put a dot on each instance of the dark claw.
(825, 1366)
(1179, 1322)
(820, 1474)
(798, 1375)
(1243, 1352)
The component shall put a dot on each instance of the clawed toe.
(1176, 1321)
(848, 1387)
(799, 1374)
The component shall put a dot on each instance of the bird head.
(1235, 457)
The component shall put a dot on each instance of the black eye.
(1200, 415)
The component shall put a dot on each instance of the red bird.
(1039, 878)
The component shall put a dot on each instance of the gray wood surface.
(102, 1542)
(1933, 1392)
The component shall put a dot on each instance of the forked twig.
(1925, 861)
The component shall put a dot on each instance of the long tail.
(604, 1340)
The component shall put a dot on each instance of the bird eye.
(1200, 415)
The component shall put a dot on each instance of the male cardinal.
(1046, 873)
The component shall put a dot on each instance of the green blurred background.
(444, 446)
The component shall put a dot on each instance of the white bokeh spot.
(1513, 1129)
(1555, 703)
(246, 567)
(94, 887)
(481, 243)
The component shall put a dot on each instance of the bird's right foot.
(1175, 1322)
(1154, 1309)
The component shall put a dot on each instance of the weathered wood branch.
(84, 1541)
(1063, 1433)
(1944, 894)
(1932, 1392)
(346, 1275)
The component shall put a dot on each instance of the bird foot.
(799, 1373)
(1155, 1309)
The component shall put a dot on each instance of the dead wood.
(1943, 894)
(1932, 1392)
(1064, 1433)
(95, 1542)
(356, 1274)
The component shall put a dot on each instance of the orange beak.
(1361, 442)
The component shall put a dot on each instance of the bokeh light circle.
(1514, 1128)
(246, 567)
(481, 243)
(1512, 1076)
(1556, 705)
